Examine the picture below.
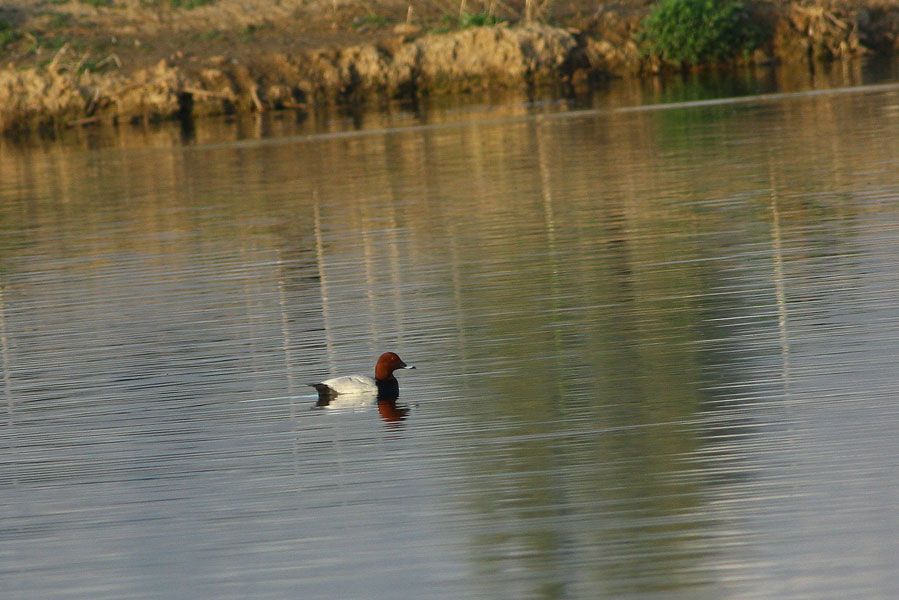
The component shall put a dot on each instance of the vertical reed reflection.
(779, 291)
(6, 365)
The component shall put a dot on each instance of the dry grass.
(141, 32)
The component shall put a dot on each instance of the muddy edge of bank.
(405, 65)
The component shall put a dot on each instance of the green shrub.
(480, 19)
(700, 31)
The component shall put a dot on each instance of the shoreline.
(400, 62)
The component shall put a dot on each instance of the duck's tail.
(324, 392)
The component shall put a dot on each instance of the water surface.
(656, 357)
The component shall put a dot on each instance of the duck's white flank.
(352, 385)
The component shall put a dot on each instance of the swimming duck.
(384, 384)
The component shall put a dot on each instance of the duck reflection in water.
(391, 411)
(389, 408)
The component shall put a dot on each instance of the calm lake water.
(656, 354)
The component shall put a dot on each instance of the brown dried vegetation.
(135, 60)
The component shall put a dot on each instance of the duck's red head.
(387, 364)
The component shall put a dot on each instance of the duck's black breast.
(388, 389)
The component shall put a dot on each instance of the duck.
(384, 385)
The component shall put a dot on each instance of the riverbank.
(142, 60)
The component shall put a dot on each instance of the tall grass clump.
(692, 32)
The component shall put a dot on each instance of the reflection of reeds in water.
(447, 196)
(590, 267)
(78, 194)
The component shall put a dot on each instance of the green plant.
(249, 32)
(371, 20)
(58, 20)
(480, 19)
(8, 34)
(208, 36)
(700, 31)
(97, 3)
(189, 4)
(50, 42)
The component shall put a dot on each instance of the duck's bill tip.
(409, 367)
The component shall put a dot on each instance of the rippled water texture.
(656, 357)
